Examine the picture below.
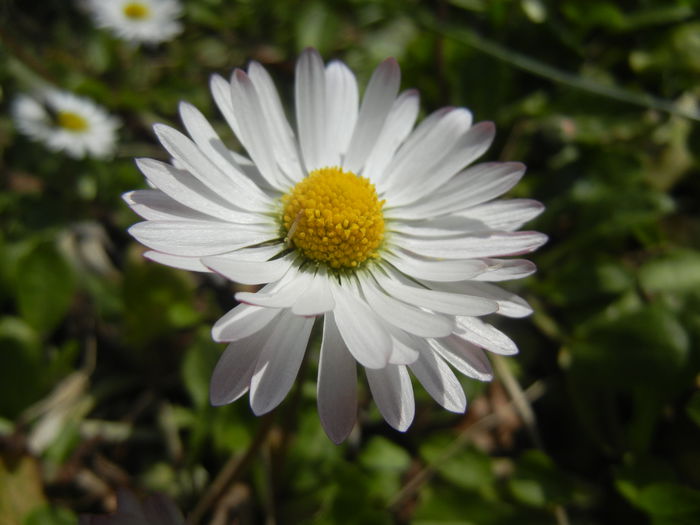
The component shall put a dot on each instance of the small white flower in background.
(146, 21)
(376, 227)
(65, 122)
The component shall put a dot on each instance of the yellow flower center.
(71, 121)
(334, 217)
(136, 11)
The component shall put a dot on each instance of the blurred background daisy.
(142, 21)
(67, 123)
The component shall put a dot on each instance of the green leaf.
(45, 287)
(631, 479)
(528, 491)
(157, 301)
(386, 462)
(197, 367)
(382, 454)
(441, 504)
(21, 371)
(468, 468)
(47, 515)
(470, 5)
(670, 503)
(648, 347)
(539, 482)
(676, 272)
(317, 26)
(595, 13)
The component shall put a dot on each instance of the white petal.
(415, 161)
(254, 130)
(398, 125)
(278, 365)
(506, 215)
(251, 171)
(242, 321)
(488, 181)
(405, 316)
(183, 187)
(342, 101)
(406, 347)
(317, 298)
(210, 144)
(232, 374)
(469, 146)
(434, 269)
(445, 226)
(509, 304)
(240, 191)
(377, 102)
(337, 384)
(450, 303)
(425, 128)
(248, 272)
(310, 99)
(198, 238)
(484, 335)
(487, 244)
(193, 264)
(282, 136)
(392, 392)
(439, 381)
(464, 356)
(259, 253)
(473, 186)
(283, 297)
(221, 91)
(365, 336)
(156, 205)
(506, 269)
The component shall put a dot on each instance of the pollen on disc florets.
(71, 121)
(334, 217)
(136, 11)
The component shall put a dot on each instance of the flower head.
(378, 229)
(148, 21)
(66, 122)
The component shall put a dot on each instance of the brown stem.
(232, 470)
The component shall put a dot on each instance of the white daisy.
(148, 21)
(377, 228)
(66, 122)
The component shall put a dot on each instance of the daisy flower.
(66, 122)
(375, 228)
(148, 21)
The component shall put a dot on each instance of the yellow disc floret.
(334, 217)
(136, 11)
(71, 121)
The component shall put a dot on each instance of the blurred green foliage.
(596, 97)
